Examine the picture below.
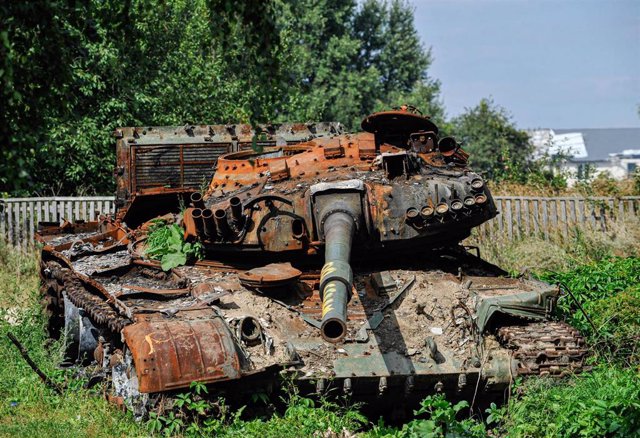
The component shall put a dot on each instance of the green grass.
(27, 407)
(559, 253)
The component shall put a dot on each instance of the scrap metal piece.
(383, 282)
(270, 276)
(374, 321)
(173, 353)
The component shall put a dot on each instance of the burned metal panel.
(171, 354)
(186, 156)
(174, 166)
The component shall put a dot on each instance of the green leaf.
(173, 260)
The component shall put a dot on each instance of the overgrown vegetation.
(602, 403)
(442, 420)
(165, 242)
(609, 291)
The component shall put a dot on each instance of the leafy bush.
(593, 283)
(196, 415)
(442, 421)
(166, 243)
(605, 402)
(70, 73)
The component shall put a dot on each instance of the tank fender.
(172, 353)
(534, 305)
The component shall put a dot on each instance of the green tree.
(497, 147)
(346, 60)
(71, 72)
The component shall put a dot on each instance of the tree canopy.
(496, 146)
(71, 72)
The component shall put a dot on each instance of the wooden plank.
(611, 209)
(563, 217)
(620, 210)
(508, 219)
(24, 225)
(56, 212)
(592, 214)
(630, 208)
(70, 211)
(581, 212)
(9, 222)
(572, 208)
(526, 216)
(3, 220)
(92, 210)
(536, 216)
(16, 225)
(31, 221)
(518, 221)
(545, 219)
(47, 210)
(38, 212)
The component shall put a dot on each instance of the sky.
(550, 63)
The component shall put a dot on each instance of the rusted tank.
(331, 258)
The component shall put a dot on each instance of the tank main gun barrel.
(336, 277)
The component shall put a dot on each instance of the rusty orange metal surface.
(171, 354)
(273, 274)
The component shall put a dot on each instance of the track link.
(97, 308)
(545, 348)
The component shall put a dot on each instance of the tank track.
(545, 348)
(98, 309)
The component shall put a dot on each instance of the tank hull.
(332, 260)
(419, 324)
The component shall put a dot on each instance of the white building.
(612, 150)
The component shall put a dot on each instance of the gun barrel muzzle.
(197, 219)
(222, 225)
(336, 278)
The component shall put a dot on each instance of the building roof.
(571, 143)
(601, 143)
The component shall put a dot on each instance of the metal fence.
(19, 217)
(519, 215)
